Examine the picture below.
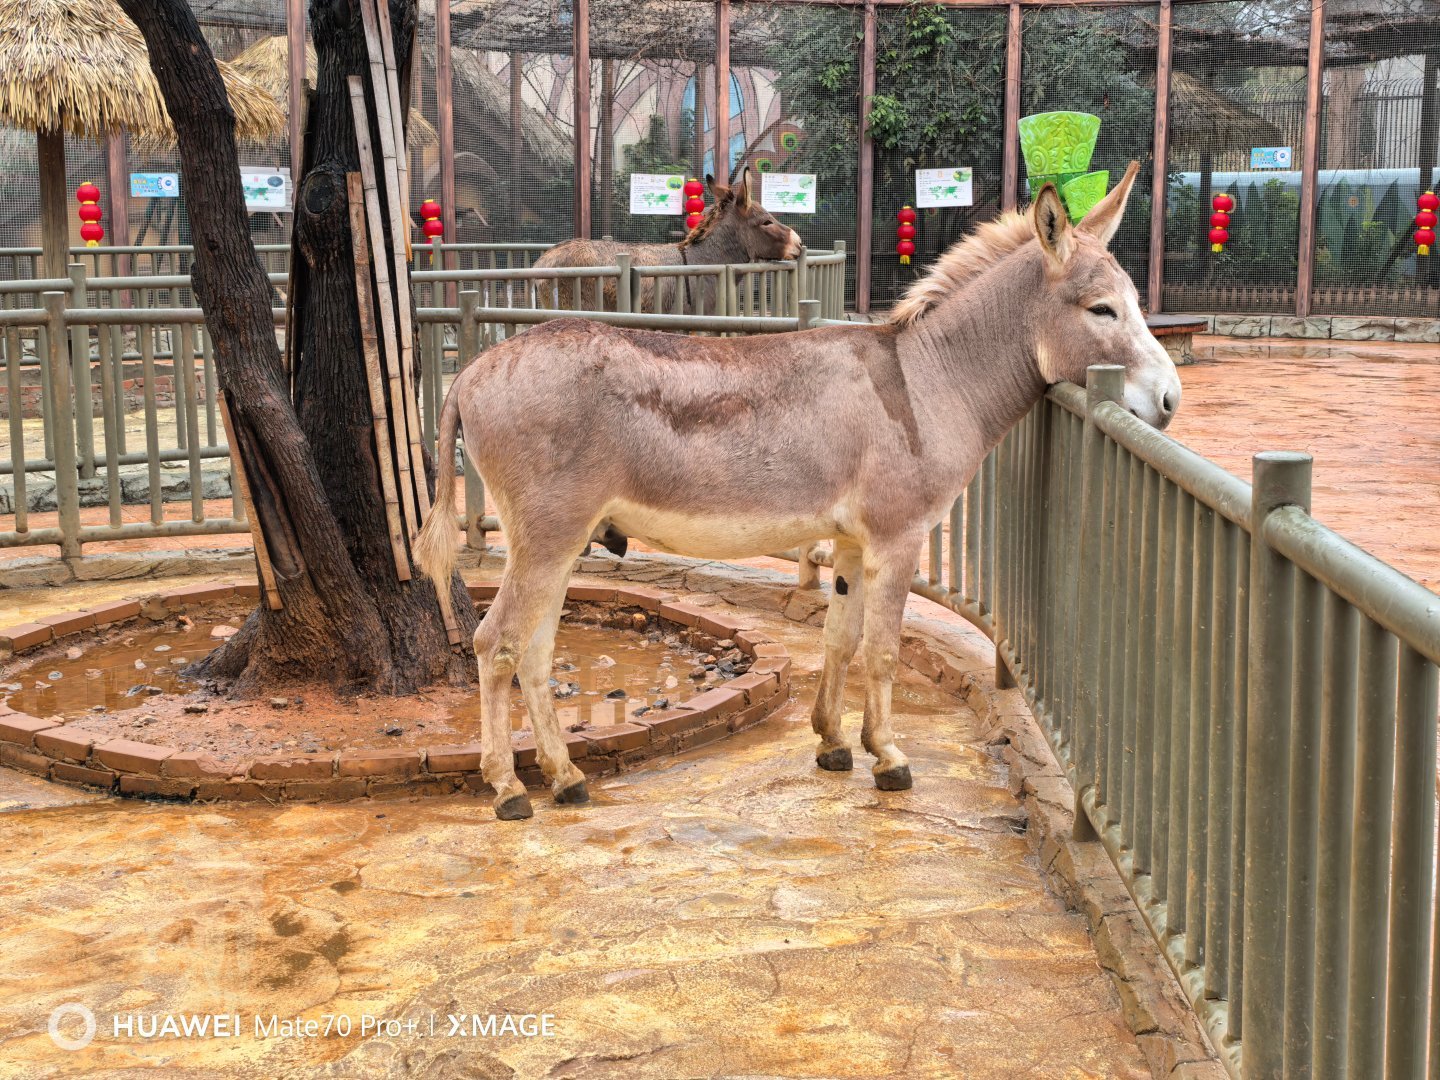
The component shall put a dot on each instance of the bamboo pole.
(387, 299)
(355, 189)
(396, 215)
(242, 485)
(397, 116)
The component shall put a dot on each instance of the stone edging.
(69, 754)
(1155, 1008)
(1326, 327)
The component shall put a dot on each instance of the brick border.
(67, 753)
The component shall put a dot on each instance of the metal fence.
(1244, 702)
(153, 403)
(1246, 706)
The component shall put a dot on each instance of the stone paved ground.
(1368, 413)
(734, 912)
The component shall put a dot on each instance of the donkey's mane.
(964, 261)
(704, 227)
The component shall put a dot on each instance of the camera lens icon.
(66, 1042)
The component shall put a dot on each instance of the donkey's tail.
(434, 546)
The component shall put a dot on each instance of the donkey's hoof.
(515, 808)
(574, 795)
(896, 779)
(836, 759)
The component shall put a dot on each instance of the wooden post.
(517, 137)
(722, 89)
(295, 54)
(1310, 157)
(606, 150)
(257, 534)
(391, 87)
(445, 112)
(1159, 183)
(403, 460)
(384, 444)
(865, 192)
(117, 171)
(54, 224)
(1010, 159)
(580, 50)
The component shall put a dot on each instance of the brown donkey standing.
(735, 229)
(731, 448)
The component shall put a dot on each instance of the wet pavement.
(733, 912)
(1366, 411)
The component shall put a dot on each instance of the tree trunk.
(312, 468)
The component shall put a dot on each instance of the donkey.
(734, 447)
(735, 229)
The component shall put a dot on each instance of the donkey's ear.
(718, 192)
(1052, 225)
(1105, 216)
(742, 189)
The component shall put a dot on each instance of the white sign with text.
(944, 187)
(788, 193)
(657, 193)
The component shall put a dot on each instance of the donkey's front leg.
(887, 586)
(843, 623)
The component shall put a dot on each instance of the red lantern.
(90, 213)
(906, 234)
(1221, 204)
(1425, 222)
(694, 202)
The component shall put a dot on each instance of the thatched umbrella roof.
(266, 64)
(487, 97)
(1204, 119)
(82, 66)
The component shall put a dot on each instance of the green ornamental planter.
(1057, 148)
(1058, 142)
(1081, 194)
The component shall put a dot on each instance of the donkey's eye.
(1105, 311)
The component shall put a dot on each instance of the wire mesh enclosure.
(1379, 149)
(938, 104)
(1101, 61)
(1323, 145)
(1238, 84)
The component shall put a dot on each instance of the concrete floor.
(1367, 412)
(734, 912)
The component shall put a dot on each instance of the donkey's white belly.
(714, 536)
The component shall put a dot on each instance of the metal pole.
(722, 89)
(1310, 157)
(580, 50)
(1159, 184)
(1010, 136)
(865, 193)
(1280, 479)
(469, 342)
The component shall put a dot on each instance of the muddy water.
(132, 687)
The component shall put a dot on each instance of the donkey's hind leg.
(887, 586)
(526, 593)
(566, 781)
(843, 623)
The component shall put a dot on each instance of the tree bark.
(312, 468)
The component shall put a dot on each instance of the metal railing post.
(468, 341)
(1280, 480)
(624, 283)
(1102, 383)
(57, 357)
(801, 283)
(809, 313)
